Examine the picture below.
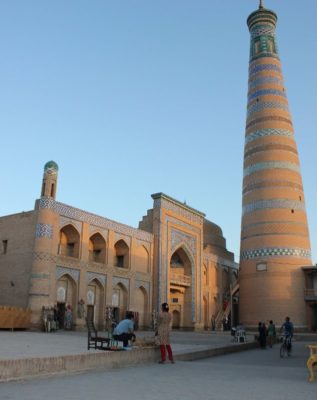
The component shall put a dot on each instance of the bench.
(95, 341)
(312, 361)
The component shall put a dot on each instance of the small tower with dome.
(49, 184)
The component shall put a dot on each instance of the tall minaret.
(274, 232)
(42, 278)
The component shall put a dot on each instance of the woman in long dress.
(164, 322)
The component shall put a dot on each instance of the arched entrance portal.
(119, 301)
(180, 277)
(95, 303)
(66, 290)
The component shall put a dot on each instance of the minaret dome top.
(51, 167)
(262, 16)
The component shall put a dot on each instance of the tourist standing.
(271, 333)
(68, 318)
(164, 322)
(262, 335)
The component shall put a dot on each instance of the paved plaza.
(253, 374)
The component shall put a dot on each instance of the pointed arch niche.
(180, 283)
(95, 300)
(66, 294)
(69, 240)
(97, 248)
(121, 254)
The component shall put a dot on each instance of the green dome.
(51, 166)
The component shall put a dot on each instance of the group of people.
(267, 334)
(124, 332)
(51, 321)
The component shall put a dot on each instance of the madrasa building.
(59, 255)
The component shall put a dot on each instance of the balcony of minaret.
(180, 279)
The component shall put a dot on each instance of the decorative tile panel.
(90, 276)
(83, 216)
(265, 80)
(191, 216)
(275, 252)
(251, 169)
(262, 30)
(177, 237)
(44, 231)
(273, 203)
(118, 279)
(267, 132)
(262, 105)
(266, 92)
(74, 273)
(254, 69)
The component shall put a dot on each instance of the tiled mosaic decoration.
(118, 279)
(90, 276)
(191, 216)
(263, 105)
(177, 237)
(251, 169)
(273, 203)
(74, 273)
(266, 92)
(262, 30)
(254, 69)
(275, 252)
(80, 215)
(267, 132)
(44, 231)
(265, 80)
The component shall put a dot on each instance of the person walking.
(164, 322)
(262, 335)
(271, 334)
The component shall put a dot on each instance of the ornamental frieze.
(83, 216)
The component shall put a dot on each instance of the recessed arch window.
(97, 248)
(69, 240)
(121, 250)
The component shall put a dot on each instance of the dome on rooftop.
(50, 166)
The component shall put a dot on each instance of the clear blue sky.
(134, 97)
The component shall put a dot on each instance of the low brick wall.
(31, 367)
(105, 360)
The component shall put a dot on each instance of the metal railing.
(310, 293)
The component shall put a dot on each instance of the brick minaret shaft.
(274, 232)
